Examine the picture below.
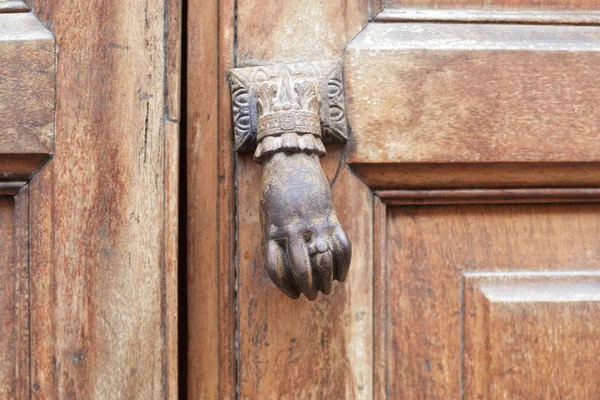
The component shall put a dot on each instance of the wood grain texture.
(174, 26)
(14, 299)
(292, 349)
(548, 17)
(392, 176)
(474, 93)
(211, 324)
(489, 196)
(533, 336)
(303, 30)
(8, 321)
(380, 301)
(27, 90)
(44, 10)
(20, 250)
(499, 4)
(102, 247)
(431, 248)
(170, 306)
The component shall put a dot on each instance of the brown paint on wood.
(466, 93)
(499, 4)
(211, 353)
(27, 98)
(489, 196)
(297, 30)
(296, 348)
(101, 245)
(429, 251)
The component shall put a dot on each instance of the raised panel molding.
(13, 6)
(26, 93)
(453, 282)
(531, 335)
(447, 106)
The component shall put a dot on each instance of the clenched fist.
(303, 245)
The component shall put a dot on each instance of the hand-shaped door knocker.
(285, 114)
(304, 247)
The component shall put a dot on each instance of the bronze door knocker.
(303, 245)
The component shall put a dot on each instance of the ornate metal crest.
(246, 83)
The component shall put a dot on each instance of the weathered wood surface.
(449, 93)
(579, 17)
(26, 90)
(8, 320)
(297, 30)
(536, 248)
(103, 237)
(210, 346)
(14, 297)
(211, 309)
(391, 176)
(499, 4)
(293, 349)
(9, 324)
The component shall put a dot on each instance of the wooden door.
(89, 109)
(469, 188)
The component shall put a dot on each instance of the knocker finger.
(277, 270)
(322, 263)
(342, 253)
(301, 267)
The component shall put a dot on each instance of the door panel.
(504, 288)
(469, 188)
(532, 335)
(473, 93)
(89, 165)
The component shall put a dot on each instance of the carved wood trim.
(13, 6)
(491, 16)
(428, 176)
(489, 196)
(27, 99)
(11, 188)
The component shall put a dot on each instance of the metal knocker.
(303, 245)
